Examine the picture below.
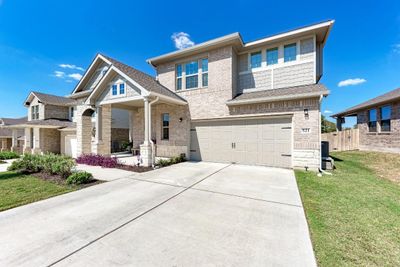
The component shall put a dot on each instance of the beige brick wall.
(206, 102)
(56, 112)
(5, 144)
(380, 141)
(50, 141)
(179, 137)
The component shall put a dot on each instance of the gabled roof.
(288, 93)
(50, 99)
(145, 80)
(379, 100)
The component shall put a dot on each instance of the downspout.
(153, 156)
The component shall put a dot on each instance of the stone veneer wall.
(306, 146)
(179, 132)
(380, 141)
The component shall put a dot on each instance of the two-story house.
(223, 100)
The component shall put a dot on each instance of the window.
(192, 79)
(35, 112)
(372, 120)
(386, 114)
(121, 88)
(255, 60)
(71, 113)
(179, 77)
(272, 56)
(118, 88)
(290, 52)
(165, 126)
(204, 69)
(114, 89)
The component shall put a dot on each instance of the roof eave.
(275, 98)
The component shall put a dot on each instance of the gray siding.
(299, 74)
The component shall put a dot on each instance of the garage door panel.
(252, 141)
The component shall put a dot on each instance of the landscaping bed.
(8, 155)
(354, 215)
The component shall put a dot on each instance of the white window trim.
(201, 72)
(117, 83)
(165, 127)
(72, 113)
(183, 77)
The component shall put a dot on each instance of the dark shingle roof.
(54, 99)
(12, 121)
(283, 93)
(145, 80)
(392, 95)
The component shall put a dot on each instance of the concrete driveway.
(191, 214)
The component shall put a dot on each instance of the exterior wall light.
(306, 115)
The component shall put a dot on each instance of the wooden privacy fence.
(342, 141)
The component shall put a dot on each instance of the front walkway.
(190, 214)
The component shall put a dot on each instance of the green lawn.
(354, 215)
(17, 189)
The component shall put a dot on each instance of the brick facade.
(380, 141)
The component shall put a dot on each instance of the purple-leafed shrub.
(98, 160)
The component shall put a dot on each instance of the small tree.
(327, 126)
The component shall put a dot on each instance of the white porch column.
(145, 148)
(99, 128)
(146, 121)
(36, 141)
(131, 115)
(14, 140)
(27, 142)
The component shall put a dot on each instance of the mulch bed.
(132, 168)
(60, 180)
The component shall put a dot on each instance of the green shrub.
(8, 155)
(79, 178)
(49, 163)
(171, 161)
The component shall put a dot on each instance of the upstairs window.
(118, 88)
(71, 113)
(290, 52)
(165, 126)
(386, 114)
(272, 56)
(35, 112)
(121, 88)
(255, 60)
(372, 120)
(192, 79)
(179, 77)
(114, 89)
(204, 70)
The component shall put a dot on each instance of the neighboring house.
(11, 139)
(223, 100)
(378, 121)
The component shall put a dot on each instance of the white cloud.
(327, 111)
(70, 66)
(58, 74)
(182, 40)
(396, 48)
(75, 76)
(351, 82)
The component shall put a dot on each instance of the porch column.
(14, 140)
(145, 148)
(3, 144)
(131, 115)
(103, 130)
(36, 141)
(27, 142)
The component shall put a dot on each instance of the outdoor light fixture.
(306, 113)
(180, 119)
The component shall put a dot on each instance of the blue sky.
(36, 37)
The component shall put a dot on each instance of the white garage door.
(71, 146)
(251, 141)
